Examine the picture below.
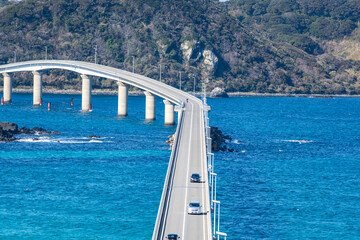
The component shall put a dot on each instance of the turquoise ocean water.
(295, 174)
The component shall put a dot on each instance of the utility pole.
(204, 92)
(133, 63)
(160, 72)
(95, 48)
(45, 52)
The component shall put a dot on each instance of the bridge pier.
(169, 113)
(122, 99)
(7, 92)
(85, 93)
(37, 88)
(150, 108)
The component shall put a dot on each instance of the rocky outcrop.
(93, 136)
(191, 50)
(8, 130)
(195, 54)
(171, 141)
(9, 127)
(219, 140)
(210, 62)
(6, 136)
(218, 93)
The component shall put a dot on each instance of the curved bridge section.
(189, 153)
(84, 68)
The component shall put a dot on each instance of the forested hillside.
(285, 46)
(4, 3)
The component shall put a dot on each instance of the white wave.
(243, 151)
(58, 140)
(70, 141)
(298, 141)
(235, 141)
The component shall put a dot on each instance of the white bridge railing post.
(211, 174)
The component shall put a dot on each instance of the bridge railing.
(211, 173)
(159, 229)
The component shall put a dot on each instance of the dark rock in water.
(223, 148)
(25, 130)
(93, 136)
(218, 93)
(218, 139)
(230, 149)
(6, 136)
(40, 131)
(9, 127)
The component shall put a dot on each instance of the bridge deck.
(190, 160)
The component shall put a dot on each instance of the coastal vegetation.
(264, 46)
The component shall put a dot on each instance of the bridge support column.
(37, 88)
(169, 113)
(86, 93)
(150, 109)
(7, 92)
(122, 99)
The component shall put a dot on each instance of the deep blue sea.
(294, 174)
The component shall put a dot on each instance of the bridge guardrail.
(159, 228)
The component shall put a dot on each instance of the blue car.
(172, 236)
(195, 177)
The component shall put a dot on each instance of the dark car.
(195, 177)
(172, 236)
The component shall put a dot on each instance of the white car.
(194, 207)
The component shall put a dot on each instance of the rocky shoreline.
(198, 94)
(8, 130)
(76, 92)
(251, 94)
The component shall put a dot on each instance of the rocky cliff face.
(210, 62)
(195, 54)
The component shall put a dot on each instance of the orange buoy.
(2, 101)
(90, 107)
(72, 101)
(40, 101)
(49, 106)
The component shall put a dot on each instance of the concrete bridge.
(191, 151)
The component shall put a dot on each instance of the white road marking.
(205, 183)
(187, 170)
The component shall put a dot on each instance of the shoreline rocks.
(219, 140)
(171, 140)
(9, 129)
(218, 93)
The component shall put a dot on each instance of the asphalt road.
(190, 160)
